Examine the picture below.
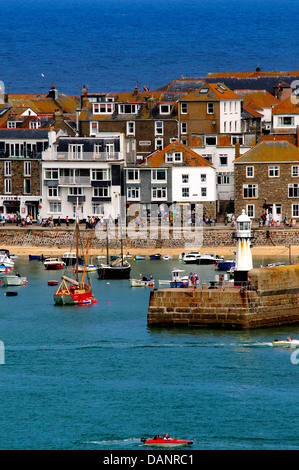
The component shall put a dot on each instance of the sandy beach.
(226, 251)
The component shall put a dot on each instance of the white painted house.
(82, 174)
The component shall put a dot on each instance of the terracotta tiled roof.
(257, 99)
(212, 91)
(252, 111)
(189, 157)
(274, 137)
(272, 151)
(286, 107)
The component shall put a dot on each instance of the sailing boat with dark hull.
(72, 291)
(118, 269)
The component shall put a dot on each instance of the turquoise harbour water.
(97, 377)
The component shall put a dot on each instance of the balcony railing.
(100, 156)
(70, 180)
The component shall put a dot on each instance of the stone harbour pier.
(273, 299)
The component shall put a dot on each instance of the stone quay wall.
(274, 301)
(209, 237)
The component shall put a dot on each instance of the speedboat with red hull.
(162, 442)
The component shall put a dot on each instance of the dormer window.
(164, 108)
(11, 124)
(128, 108)
(34, 124)
(103, 108)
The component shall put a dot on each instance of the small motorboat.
(142, 282)
(224, 265)
(37, 257)
(52, 283)
(167, 257)
(139, 258)
(287, 343)
(208, 259)
(54, 263)
(192, 257)
(158, 441)
(177, 279)
(5, 269)
(89, 268)
(12, 279)
(155, 256)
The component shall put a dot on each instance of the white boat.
(191, 257)
(54, 263)
(288, 343)
(177, 279)
(11, 279)
(6, 260)
(209, 259)
(89, 268)
(69, 258)
(142, 282)
(167, 257)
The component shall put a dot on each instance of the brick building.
(267, 179)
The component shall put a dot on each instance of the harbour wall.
(209, 237)
(273, 301)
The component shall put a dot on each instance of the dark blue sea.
(110, 45)
(98, 378)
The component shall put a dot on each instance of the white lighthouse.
(243, 251)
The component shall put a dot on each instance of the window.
(93, 128)
(165, 109)
(98, 209)
(184, 108)
(103, 108)
(185, 192)
(7, 186)
(27, 168)
(295, 210)
(55, 207)
(11, 124)
(185, 178)
(211, 140)
(159, 193)
(203, 178)
(102, 191)
(75, 191)
(250, 191)
(223, 179)
(130, 128)
(27, 186)
(158, 175)
(7, 168)
(237, 138)
(101, 175)
(127, 108)
(285, 120)
(76, 151)
(273, 171)
(183, 128)
(34, 124)
(159, 128)
(52, 191)
(294, 190)
(250, 210)
(203, 192)
(132, 193)
(51, 174)
(210, 108)
(132, 175)
(14, 149)
(249, 171)
(223, 160)
(158, 144)
(295, 170)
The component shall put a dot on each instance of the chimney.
(237, 149)
(136, 90)
(53, 93)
